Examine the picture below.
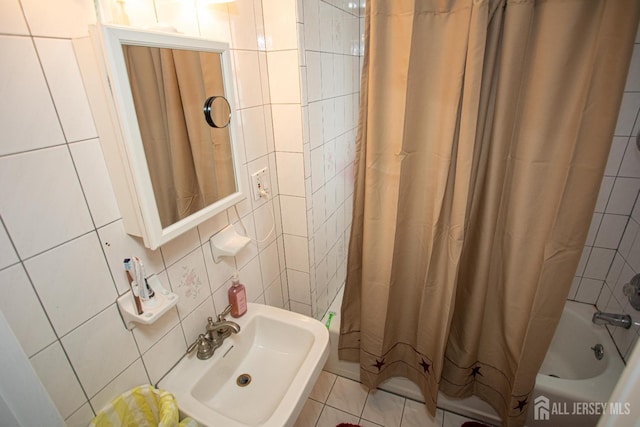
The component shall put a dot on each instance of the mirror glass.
(173, 99)
(190, 162)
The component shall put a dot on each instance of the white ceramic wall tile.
(290, 174)
(180, 15)
(247, 72)
(296, 252)
(603, 195)
(12, 20)
(630, 166)
(610, 232)
(269, 263)
(268, 123)
(52, 187)
(633, 78)
(316, 136)
(329, 119)
(589, 290)
(73, 282)
(177, 248)
(265, 224)
(195, 323)
(280, 24)
(23, 311)
(623, 196)
(311, 19)
(214, 22)
(317, 168)
(633, 258)
(189, 280)
(603, 298)
(628, 113)
(264, 77)
(273, 295)
(287, 127)
(628, 238)
(615, 270)
(246, 227)
(94, 178)
(293, 215)
(162, 356)
(243, 25)
(599, 263)
(100, 349)
(219, 272)
(328, 81)
(326, 26)
(65, 82)
(147, 335)
(23, 87)
(221, 297)
(255, 139)
(8, 254)
(314, 76)
(131, 377)
(299, 286)
(64, 18)
(284, 81)
(117, 245)
(251, 278)
(300, 308)
(212, 226)
(55, 372)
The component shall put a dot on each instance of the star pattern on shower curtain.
(521, 404)
(425, 366)
(475, 371)
(379, 364)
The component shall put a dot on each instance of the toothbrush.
(142, 279)
(136, 298)
(139, 275)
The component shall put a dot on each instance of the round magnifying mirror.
(217, 111)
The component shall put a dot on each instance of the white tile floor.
(336, 400)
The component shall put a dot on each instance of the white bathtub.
(582, 378)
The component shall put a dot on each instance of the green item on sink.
(331, 314)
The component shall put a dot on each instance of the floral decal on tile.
(190, 283)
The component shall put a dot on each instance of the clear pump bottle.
(237, 297)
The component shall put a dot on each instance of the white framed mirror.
(178, 169)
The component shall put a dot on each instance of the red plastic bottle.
(237, 297)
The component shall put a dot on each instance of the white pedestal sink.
(261, 376)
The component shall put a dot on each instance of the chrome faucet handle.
(225, 313)
(632, 291)
(204, 346)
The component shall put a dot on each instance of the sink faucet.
(622, 320)
(216, 333)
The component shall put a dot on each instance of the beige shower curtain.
(484, 131)
(190, 164)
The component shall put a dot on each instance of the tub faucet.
(622, 320)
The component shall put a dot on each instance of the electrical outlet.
(259, 181)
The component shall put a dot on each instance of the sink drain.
(243, 380)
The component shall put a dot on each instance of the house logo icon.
(541, 408)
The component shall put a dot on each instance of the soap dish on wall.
(227, 243)
(162, 302)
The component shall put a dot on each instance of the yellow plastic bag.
(143, 406)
